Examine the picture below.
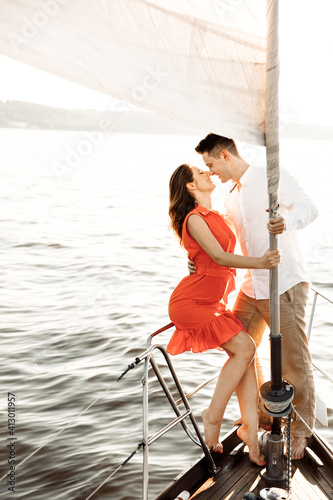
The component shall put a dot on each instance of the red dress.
(197, 306)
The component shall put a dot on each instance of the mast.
(273, 172)
(276, 394)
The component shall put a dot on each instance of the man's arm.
(301, 209)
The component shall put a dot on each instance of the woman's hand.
(271, 258)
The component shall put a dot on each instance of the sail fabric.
(273, 172)
(188, 60)
(272, 103)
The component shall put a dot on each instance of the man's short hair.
(213, 144)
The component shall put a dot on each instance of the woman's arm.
(200, 231)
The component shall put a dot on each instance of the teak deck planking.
(239, 475)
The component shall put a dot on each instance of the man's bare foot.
(250, 438)
(212, 432)
(298, 445)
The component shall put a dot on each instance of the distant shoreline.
(26, 115)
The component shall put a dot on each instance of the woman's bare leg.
(247, 393)
(265, 421)
(241, 350)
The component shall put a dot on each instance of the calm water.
(87, 267)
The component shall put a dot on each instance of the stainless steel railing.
(198, 439)
(317, 292)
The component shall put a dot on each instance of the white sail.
(165, 56)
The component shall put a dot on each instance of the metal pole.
(145, 430)
(273, 178)
(275, 394)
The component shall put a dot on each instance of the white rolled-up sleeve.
(300, 210)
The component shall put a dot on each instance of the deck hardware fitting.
(274, 494)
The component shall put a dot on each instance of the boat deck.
(238, 475)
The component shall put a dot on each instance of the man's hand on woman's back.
(191, 267)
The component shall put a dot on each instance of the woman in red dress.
(197, 306)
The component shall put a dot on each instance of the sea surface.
(87, 267)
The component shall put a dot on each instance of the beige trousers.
(296, 358)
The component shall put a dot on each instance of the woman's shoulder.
(203, 212)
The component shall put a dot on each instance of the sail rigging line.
(54, 436)
(301, 418)
(134, 452)
(326, 375)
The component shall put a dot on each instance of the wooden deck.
(238, 475)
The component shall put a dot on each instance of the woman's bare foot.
(239, 421)
(264, 421)
(212, 432)
(250, 438)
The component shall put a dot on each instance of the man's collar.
(242, 180)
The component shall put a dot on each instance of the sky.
(306, 81)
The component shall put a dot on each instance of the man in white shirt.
(246, 209)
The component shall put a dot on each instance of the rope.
(307, 425)
(137, 449)
(323, 444)
(130, 367)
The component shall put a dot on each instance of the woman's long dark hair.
(181, 202)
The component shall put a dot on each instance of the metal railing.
(149, 359)
(317, 292)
